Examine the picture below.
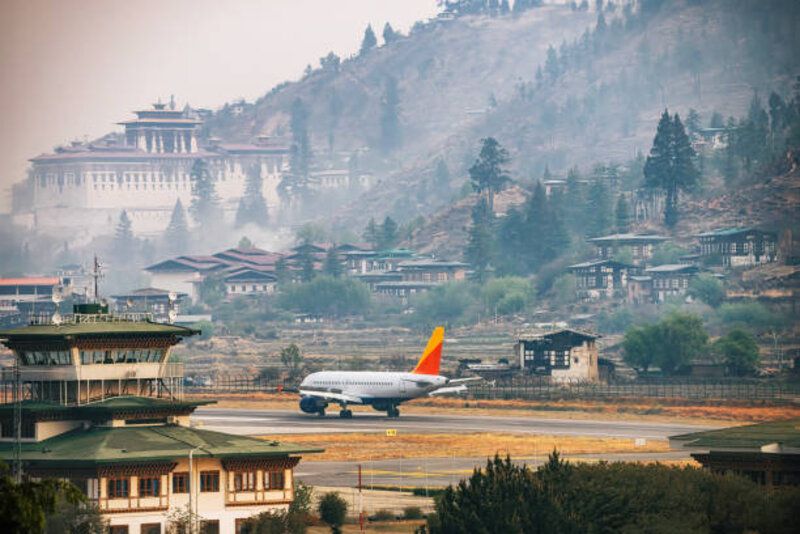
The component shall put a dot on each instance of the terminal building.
(100, 403)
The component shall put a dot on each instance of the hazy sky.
(72, 68)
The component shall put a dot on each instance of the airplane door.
(402, 386)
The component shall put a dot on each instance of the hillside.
(475, 76)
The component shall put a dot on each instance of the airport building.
(101, 404)
(767, 453)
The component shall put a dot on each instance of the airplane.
(384, 391)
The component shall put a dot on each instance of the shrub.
(325, 295)
(412, 512)
(332, 510)
(383, 515)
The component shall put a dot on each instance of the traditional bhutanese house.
(739, 247)
(403, 290)
(670, 280)
(564, 356)
(373, 278)
(425, 270)
(184, 274)
(601, 278)
(359, 261)
(767, 453)
(103, 407)
(250, 281)
(640, 289)
(248, 256)
(640, 247)
(388, 260)
(157, 302)
(554, 186)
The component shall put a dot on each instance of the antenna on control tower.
(96, 276)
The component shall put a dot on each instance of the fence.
(540, 388)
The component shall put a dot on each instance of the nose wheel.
(346, 414)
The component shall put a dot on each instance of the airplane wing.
(455, 381)
(448, 390)
(332, 396)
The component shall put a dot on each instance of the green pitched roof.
(746, 438)
(98, 446)
(101, 328)
(108, 406)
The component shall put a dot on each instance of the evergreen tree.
(441, 180)
(390, 119)
(488, 174)
(333, 265)
(504, 7)
(599, 208)
(177, 232)
(479, 251)
(693, 122)
(574, 203)
(622, 215)
(369, 42)
(372, 233)
(282, 271)
(717, 120)
(511, 237)
(205, 207)
(389, 35)
(252, 206)
(307, 268)
(124, 242)
(536, 215)
(551, 67)
(388, 234)
(670, 165)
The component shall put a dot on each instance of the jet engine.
(312, 404)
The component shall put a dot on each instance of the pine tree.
(390, 119)
(252, 206)
(307, 270)
(371, 233)
(504, 7)
(388, 233)
(622, 215)
(333, 265)
(177, 232)
(389, 35)
(551, 64)
(282, 271)
(124, 242)
(536, 221)
(441, 180)
(205, 208)
(479, 251)
(510, 243)
(488, 174)
(369, 42)
(693, 122)
(574, 203)
(599, 208)
(670, 165)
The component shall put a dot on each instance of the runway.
(422, 472)
(272, 422)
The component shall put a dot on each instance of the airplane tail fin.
(428, 364)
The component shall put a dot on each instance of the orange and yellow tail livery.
(432, 357)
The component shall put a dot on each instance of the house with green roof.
(767, 453)
(101, 403)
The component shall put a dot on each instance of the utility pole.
(17, 400)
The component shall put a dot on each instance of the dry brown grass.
(365, 447)
(656, 410)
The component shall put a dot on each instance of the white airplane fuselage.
(377, 389)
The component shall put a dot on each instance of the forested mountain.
(558, 86)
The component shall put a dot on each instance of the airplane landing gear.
(321, 412)
(393, 411)
(346, 414)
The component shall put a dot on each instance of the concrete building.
(565, 356)
(104, 408)
(767, 453)
(738, 247)
(33, 295)
(639, 247)
(144, 171)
